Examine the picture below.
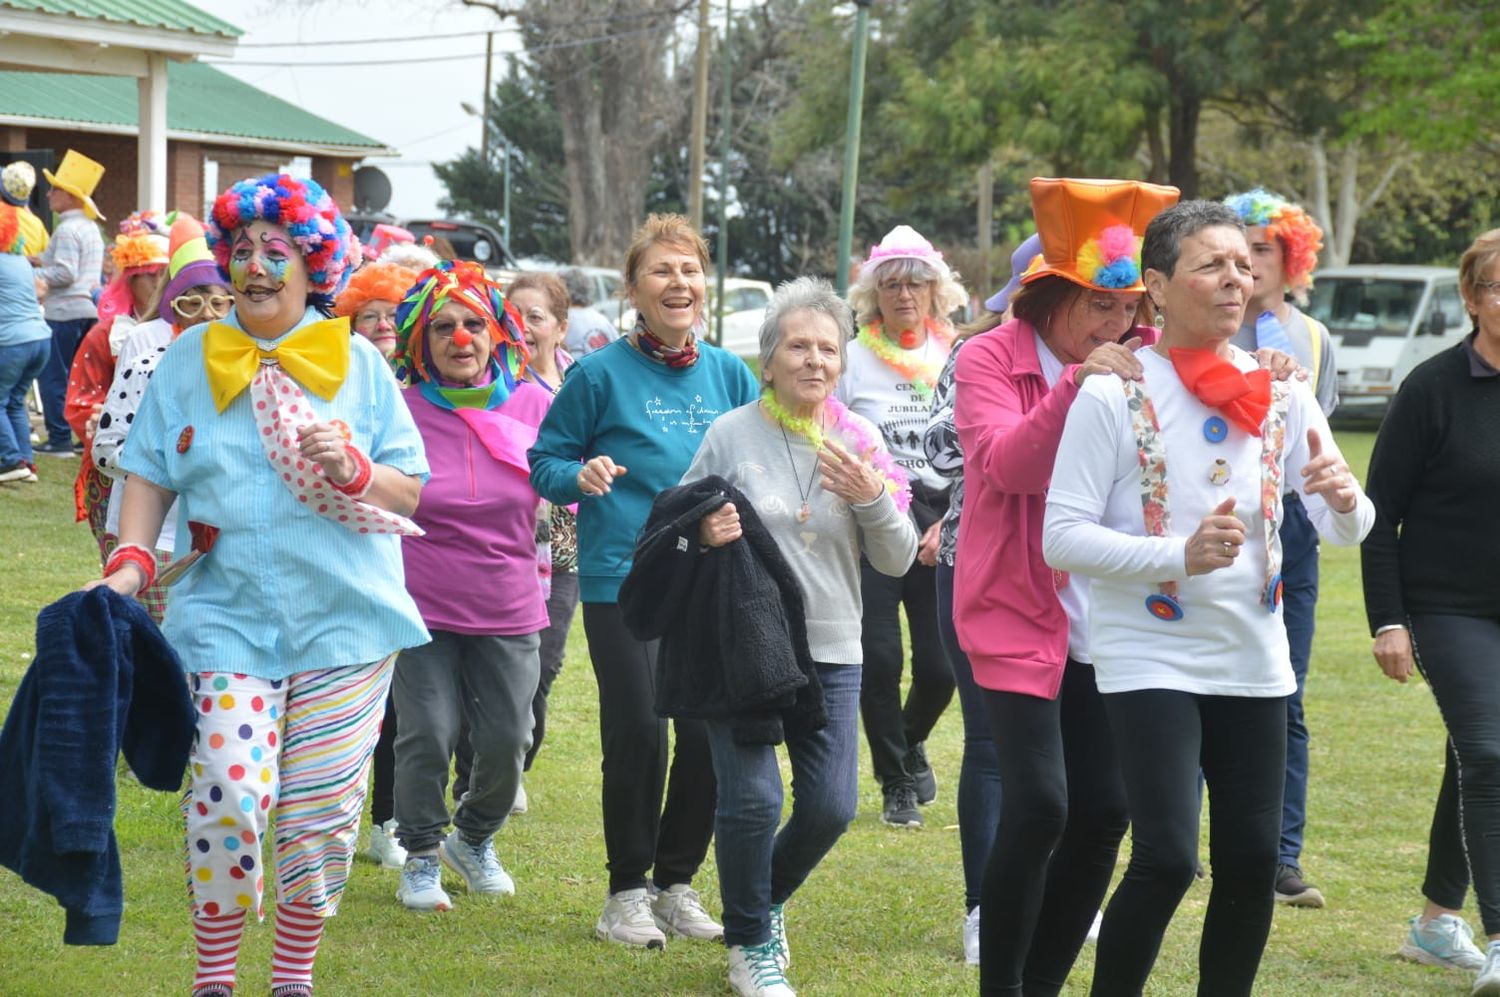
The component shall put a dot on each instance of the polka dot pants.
(296, 749)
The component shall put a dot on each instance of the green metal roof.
(200, 99)
(171, 15)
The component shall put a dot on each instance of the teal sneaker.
(778, 936)
(1445, 941)
(753, 971)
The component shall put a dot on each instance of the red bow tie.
(1243, 398)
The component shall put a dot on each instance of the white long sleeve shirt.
(1226, 643)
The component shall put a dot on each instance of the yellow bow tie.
(316, 356)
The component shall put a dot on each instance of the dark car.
(469, 240)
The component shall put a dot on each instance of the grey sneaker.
(778, 935)
(678, 911)
(422, 885)
(627, 919)
(477, 864)
(1487, 983)
(1293, 891)
(920, 770)
(900, 808)
(1445, 941)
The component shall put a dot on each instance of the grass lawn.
(880, 916)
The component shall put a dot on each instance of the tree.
(604, 65)
(522, 111)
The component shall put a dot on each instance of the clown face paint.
(269, 278)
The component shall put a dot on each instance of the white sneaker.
(1487, 983)
(422, 885)
(384, 848)
(477, 864)
(678, 911)
(1093, 936)
(1446, 941)
(520, 804)
(627, 919)
(778, 935)
(971, 937)
(753, 971)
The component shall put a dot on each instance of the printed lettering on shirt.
(693, 418)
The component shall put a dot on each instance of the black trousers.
(1447, 880)
(383, 782)
(1457, 654)
(1060, 828)
(890, 727)
(641, 835)
(561, 605)
(1163, 738)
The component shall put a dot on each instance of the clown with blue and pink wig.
(284, 441)
(1284, 242)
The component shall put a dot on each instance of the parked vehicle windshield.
(1368, 306)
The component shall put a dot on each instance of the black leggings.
(383, 790)
(890, 727)
(1163, 738)
(1060, 828)
(1456, 654)
(1447, 880)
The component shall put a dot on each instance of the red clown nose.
(462, 338)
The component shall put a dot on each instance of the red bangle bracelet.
(133, 554)
(364, 472)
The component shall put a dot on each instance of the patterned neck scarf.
(661, 352)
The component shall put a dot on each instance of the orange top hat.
(78, 175)
(1091, 229)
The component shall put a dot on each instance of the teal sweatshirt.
(618, 403)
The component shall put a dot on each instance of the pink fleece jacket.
(1009, 620)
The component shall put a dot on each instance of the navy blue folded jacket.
(104, 680)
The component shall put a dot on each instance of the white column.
(151, 144)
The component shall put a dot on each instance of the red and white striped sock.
(218, 939)
(298, 931)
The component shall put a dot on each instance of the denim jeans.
(54, 378)
(19, 366)
(1299, 575)
(759, 866)
(979, 772)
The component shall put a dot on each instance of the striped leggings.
(296, 749)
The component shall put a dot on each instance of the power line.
(543, 47)
(499, 29)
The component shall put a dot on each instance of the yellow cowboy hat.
(78, 175)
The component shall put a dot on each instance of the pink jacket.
(1008, 617)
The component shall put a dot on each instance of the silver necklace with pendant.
(804, 511)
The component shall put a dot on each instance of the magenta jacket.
(1009, 620)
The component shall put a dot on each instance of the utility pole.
(700, 121)
(851, 141)
(723, 266)
(484, 105)
(985, 220)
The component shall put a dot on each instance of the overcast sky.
(412, 107)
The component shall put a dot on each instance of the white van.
(1384, 320)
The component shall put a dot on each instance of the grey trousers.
(489, 682)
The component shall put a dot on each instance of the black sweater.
(1435, 481)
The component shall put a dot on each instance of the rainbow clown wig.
(1299, 235)
(310, 218)
(10, 229)
(466, 283)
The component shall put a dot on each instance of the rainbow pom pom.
(1110, 259)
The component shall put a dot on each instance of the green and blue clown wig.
(466, 283)
(1294, 228)
(311, 219)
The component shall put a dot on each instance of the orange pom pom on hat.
(1091, 230)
